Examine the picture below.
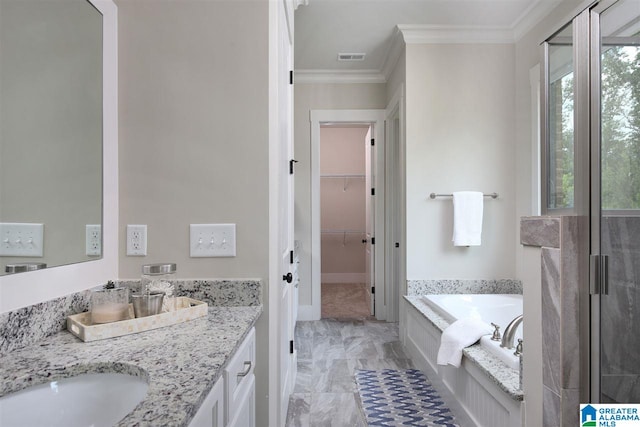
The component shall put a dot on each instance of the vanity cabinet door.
(240, 384)
(246, 414)
(211, 413)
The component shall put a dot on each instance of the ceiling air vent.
(351, 56)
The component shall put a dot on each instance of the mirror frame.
(24, 289)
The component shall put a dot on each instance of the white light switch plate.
(212, 240)
(21, 239)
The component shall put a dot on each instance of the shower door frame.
(587, 183)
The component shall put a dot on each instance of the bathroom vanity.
(200, 373)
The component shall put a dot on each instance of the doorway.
(367, 118)
(346, 220)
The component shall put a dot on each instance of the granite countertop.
(505, 378)
(181, 362)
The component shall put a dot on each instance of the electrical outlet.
(20, 239)
(212, 240)
(136, 240)
(93, 239)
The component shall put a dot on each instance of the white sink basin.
(84, 400)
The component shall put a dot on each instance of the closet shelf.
(344, 234)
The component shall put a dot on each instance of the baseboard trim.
(308, 312)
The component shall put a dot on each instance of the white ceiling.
(324, 28)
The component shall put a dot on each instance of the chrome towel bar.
(434, 195)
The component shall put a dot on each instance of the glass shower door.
(616, 209)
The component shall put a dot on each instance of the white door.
(370, 219)
(285, 207)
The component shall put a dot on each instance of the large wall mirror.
(50, 130)
(58, 143)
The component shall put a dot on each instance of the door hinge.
(373, 141)
(397, 244)
(290, 257)
(373, 289)
(373, 240)
(291, 162)
(373, 191)
(291, 347)
(291, 77)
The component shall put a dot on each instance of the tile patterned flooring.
(329, 352)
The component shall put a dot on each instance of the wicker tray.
(186, 309)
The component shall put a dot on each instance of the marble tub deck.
(507, 379)
(181, 362)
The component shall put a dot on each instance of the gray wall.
(193, 113)
(459, 136)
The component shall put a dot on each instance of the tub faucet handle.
(496, 333)
(518, 351)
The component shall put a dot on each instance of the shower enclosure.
(591, 125)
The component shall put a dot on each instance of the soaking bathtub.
(489, 308)
(485, 386)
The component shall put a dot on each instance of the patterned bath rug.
(401, 398)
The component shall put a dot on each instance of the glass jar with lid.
(160, 278)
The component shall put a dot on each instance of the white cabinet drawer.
(239, 377)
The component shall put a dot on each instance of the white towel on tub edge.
(460, 334)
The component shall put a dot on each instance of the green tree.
(620, 128)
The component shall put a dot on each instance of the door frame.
(395, 217)
(276, 9)
(355, 117)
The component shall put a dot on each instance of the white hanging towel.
(467, 218)
(460, 334)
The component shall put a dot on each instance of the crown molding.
(534, 14)
(456, 34)
(396, 47)
(338, 76)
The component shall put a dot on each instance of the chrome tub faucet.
(509, 333)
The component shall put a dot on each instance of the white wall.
(527, 56)
(194, 138)
(309, 97)
(459, 136)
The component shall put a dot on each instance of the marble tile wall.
(621, 342)
(540, 231)
(454, 286)
(24, 326)
(551, 371)
(561, 278)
